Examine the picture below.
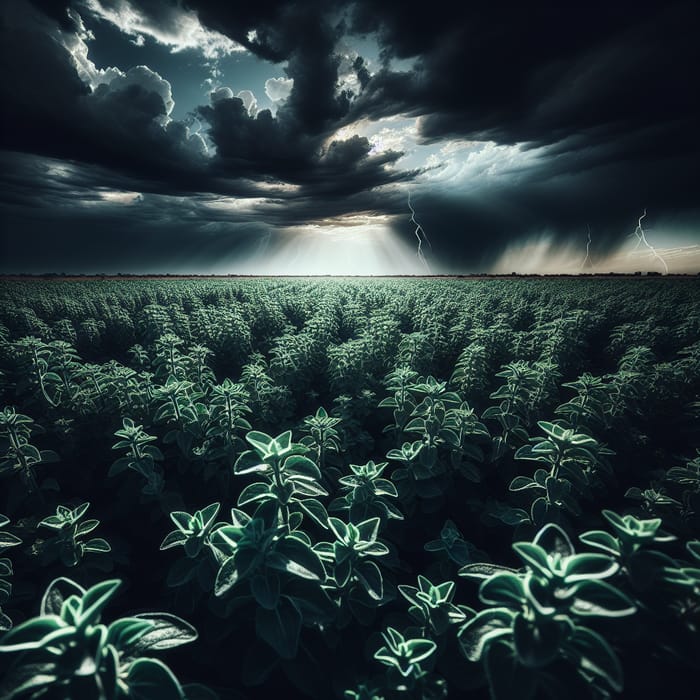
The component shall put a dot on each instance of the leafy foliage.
(68, 652)
(67, 543)
(7, 540)
(542, 616)
(436, 421)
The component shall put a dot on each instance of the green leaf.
(593, 654)
(410, 593)
(280, 627)
(234, 568)
(298, 558)
(150, 679)
(582, 567)
(303, 466)
(86, 527)
(370, 577)
(109, 671)
(553, 540)
(375, 549)
(5, 621)
(249, 463)
(537, 641)
(694, 548)
(342, 572)
(266, 590)
(209, 514)
(259, 491)
(483, 570)
(282, 443)
(166, 631)
(260, 441)
(33, 633)
(57, 591)
(55, 522)
(601, 599)
(22, 679)
(522, 482)
(601, 540)
(339, 528)
(80, 511)
(482, 629)
(420, 649)
(125, 631)
(7, 539)
(120, 465)
(48, 457)
(369, 529)
(303, 486)
(94, 600)
(504, 588)
(535, 557)
(173, 539)
(316, 511)
(182, 520)
(97, 544)
(538, 510)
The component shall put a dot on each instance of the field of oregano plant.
(349, 489)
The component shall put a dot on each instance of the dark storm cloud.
(149, 241)
(470, 230)
(603, 82)
(120, 126)
(133, 221)
(49, 110)
(607, 88)
(292, 145)
(539, 74)
(277, 26)
(58, 11)
(603, 91)
(256, 146)
(136, 232)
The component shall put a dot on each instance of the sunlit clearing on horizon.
(362, 249)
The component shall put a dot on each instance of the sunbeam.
(336, 250)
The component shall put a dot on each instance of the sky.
(337, 137)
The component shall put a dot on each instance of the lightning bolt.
(587, 259)
(642, 240)
(420, 235)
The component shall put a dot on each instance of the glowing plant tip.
(420, 235)
(642, 240)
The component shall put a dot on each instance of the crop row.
(422, 488)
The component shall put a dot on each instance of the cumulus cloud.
(121, 119)
(278, 89)
(167, 24)
(249, 100)
(219, 94)
(147, 80)
(113, 119)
